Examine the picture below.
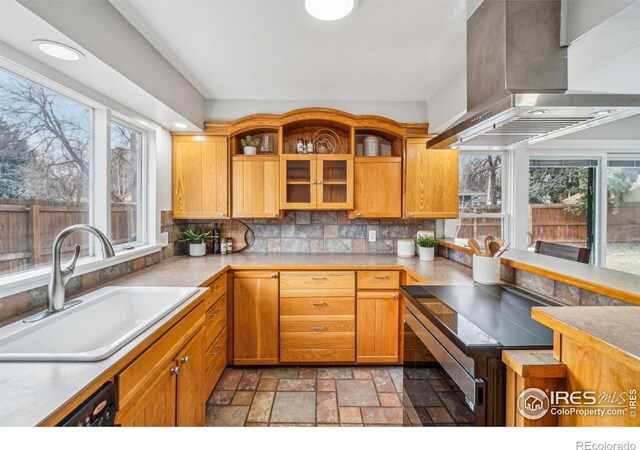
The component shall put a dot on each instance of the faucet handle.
(72, 265)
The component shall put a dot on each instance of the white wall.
(234, 109)
(448, 104)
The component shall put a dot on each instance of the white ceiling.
(386, 50)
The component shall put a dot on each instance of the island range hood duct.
(517, 79)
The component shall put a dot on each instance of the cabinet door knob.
(216, 352)
(221, 214)
(358, 214)
(319, 181)
(394, 295)
(275, 214)
(184, 360)
(313, 181)
(273, 275)
(175, 370)
(410, 214)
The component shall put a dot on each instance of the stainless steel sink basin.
(103, 323)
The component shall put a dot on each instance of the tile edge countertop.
(612, 283)
(55, 384)
(609, 330)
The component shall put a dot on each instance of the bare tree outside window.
(126, 145)
(45, 171)
(480, 193)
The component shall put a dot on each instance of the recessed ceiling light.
(329, 9)
(538, 112)
(604, 112)
(180, 125)
(58, 50)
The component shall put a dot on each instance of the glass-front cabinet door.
(298, 182)
(335, 182)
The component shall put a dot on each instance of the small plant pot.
(486, 270)
(197, 249)
(249, 150)
(426, 253)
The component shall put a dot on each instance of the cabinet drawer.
(217, 289)
(317, 355)
(215, 319)
(378, 279)
(314, 284)
(317, 306)
(135, 378)
(317, 323)
(215, 362)
(318, 340)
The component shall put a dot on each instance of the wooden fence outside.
(554, 223)
(28, 228)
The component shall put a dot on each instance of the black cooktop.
(482, 316)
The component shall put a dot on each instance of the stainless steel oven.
(465, 329)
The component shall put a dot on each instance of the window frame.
(450, 224)
(141, 226)
(101, 115)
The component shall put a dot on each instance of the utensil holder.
(486, 270)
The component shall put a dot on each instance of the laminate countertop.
(33, 391)
(610, 330)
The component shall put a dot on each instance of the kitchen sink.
(105, 321)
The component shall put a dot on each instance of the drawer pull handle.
(319, 303)
(318, 278)
(381, 277)
(318, 328)
(175, 370)
(185, 359)
(215, 312)
(217, 350)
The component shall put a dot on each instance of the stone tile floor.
(336, 396)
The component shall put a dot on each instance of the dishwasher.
(99, 410)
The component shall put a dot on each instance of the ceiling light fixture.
(329, 9)
(58, 50)
(604, 112)
(180, 125)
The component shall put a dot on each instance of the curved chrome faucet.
(60, 276)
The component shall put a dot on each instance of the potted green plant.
(197, 240)
(426, 247)
(250, 145)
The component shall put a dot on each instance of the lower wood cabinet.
(163, 386)
(190, 364)
(378, 331)
(255, 318)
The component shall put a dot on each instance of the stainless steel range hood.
(517, 79)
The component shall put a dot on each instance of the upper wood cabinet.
(431, 181)
(316, 182)
(255, 318)
(378, 187)
(256, 187)
(200, 178)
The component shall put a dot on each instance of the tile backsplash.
(320, 231)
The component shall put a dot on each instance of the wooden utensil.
(499, 241)
(475, 246)
(493, 248)
(488, 239)
(503, 250)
